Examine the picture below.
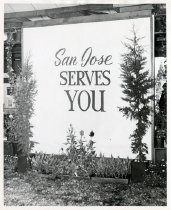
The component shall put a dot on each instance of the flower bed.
(102, 167)
(111, 168)
(156, 174)
(80, 160)
(10, 162)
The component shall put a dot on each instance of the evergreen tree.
(136, 88)
(23, 92)
(159, 80)
(160, 133)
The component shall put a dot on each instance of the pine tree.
(23, 92)
(136, 88)
(161, 107)
(160, 78)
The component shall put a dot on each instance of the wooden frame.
(102, 18)
(87, 19)
(58, 11)
(77, 9)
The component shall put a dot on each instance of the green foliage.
(9, 43)
(158, 9)
(50, 164)
(136, 88)
(160, 78)
(10, 162)
(24, 91)
(41, 163)
(111, 167)
(161, 107)
(56, 165)
(80, 160)
(156, 175)
(80, 154)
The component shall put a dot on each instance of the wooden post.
(22, 164)
(153, 91)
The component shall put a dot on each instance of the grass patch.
(32, 189)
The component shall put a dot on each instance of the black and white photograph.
(84, 104)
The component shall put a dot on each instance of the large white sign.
(77, 68)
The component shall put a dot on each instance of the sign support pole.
(153, 91)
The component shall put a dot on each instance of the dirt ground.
(33, 189)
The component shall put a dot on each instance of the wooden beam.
(91, 18)
(21, 19)
(12, 25)
(134, 8)
(67, 15)
(123, 5)
(61, 10)
(12, 21)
